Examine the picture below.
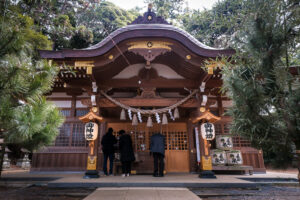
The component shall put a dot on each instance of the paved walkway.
(65, 179)
(144, 193)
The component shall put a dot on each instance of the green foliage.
(265, 95)
(104, 18)
(168, 9)
(61, 32)
(26, 118)
(215, 26)
(82, 38)
(15, 29)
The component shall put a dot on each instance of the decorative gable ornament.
(91, 131)
(208, 131)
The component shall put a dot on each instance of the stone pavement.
(145, 193)
(73, 180)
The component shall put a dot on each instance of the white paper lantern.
(208, 131)
(91, 131)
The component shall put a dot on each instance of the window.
(218, 129)
(80, 113)
(227, 129)
(71, 134)
(78, 139)
(65, 113)
(64, 135)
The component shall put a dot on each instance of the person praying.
(107, 142)
(126, 152)
(157, 149)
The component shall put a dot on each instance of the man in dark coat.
(157, 148)
(107, 142)
(126, 152)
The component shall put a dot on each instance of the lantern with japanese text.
(91, 131)
(208, 131)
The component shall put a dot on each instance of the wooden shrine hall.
(146, 77)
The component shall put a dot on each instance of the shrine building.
(146, 77)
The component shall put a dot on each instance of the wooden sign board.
(206, 163)
(92, 163)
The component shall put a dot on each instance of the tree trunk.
(297, 144)
(2, 157)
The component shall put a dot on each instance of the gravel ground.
(43, 193)
(261, 193)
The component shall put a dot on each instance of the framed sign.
(208, 131)
(91, 131)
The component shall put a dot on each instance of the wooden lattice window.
(240, 142)
(81, 112)
(226, 129)
(65, 112)
(177, 140)
(64, 135)
(218, 129)
(78, 139)
(141, 141)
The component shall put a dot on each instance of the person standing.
(107, 142)
(126, 152)
(157, 149)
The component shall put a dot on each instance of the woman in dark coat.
(126, 152)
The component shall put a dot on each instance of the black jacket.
(107, 142)
(157, 144)
(126, 150)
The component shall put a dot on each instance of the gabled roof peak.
(149, 18)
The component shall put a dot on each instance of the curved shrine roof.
(148, 26)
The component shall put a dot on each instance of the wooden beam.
(157, 83)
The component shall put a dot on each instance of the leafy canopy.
(265, 95)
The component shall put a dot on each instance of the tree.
(214, 27)
(104, 18)
(265, 95)
(168, 9)
(57, 20)
(26, 118)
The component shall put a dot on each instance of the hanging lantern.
(164, 119)
(91, 131)
(140, 117)
(208, 131)
(134, 120)
(149, 122)
(123, 115)
(129, 114)
(176, 113)
(157, 118)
